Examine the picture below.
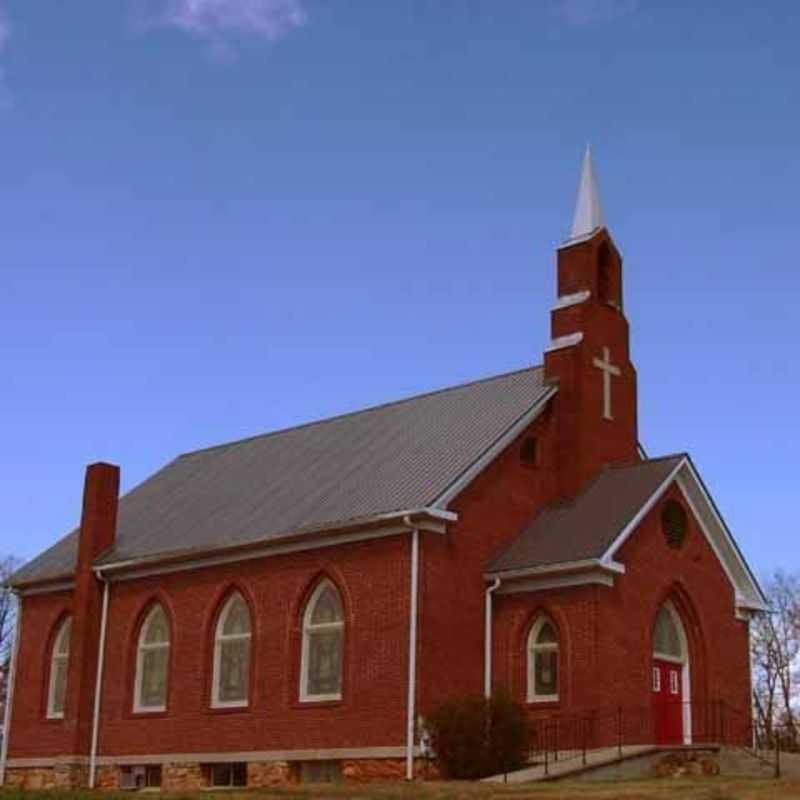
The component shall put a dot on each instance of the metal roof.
(394, 457)
(585, 528)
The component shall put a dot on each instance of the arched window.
(543, 662)
(152, 663)
(323, 645)
(667, 640)
(59, 663)
(231, 683)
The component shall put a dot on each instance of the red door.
(668, 702)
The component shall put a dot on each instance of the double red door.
(668, 702)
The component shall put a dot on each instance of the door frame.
(684, 661)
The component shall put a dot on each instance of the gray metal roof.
(394, 457)
(586, 527)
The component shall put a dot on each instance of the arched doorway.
(671, 679)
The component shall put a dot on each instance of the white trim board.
(562, 342)
(202, 562)
(569, 567)
(720, 539)
(500, 444)
(594, 577)
(568, 300)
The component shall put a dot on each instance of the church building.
(289, 607)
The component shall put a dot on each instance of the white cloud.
(585, 12)
(218, 20)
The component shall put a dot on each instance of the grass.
(654, 789)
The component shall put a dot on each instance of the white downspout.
(487, 654)
(98, 684)
(753, 712)
(412, 652)
(12, 673)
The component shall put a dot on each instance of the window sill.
(543, 702)
(228, 708)
(327, 701)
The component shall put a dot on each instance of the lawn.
(654, 789)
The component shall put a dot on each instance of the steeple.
(589, 354)
(588, 209)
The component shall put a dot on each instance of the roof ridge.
(376, 407)
(569, 502)
(667, 457)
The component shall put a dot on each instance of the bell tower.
(588, 355)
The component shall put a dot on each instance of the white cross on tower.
(608, 369)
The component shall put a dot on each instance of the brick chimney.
(97, 532)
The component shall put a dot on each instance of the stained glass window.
(667, 639)
(232, 654)
(58, 670)
(543, 662)
(152, 662)
(323, 640)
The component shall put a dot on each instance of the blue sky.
(222, 217)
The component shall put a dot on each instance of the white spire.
(588, 210)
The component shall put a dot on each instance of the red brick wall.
(373, 578)
(606, 633)
(31, 733)
(492, 511)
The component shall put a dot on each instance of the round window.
(674, 523)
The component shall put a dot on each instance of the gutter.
(299, 536)
(487, 654)
(12, 674)
(412, 649)
(98, 685)
(561, 567)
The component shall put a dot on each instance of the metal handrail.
(568, 737)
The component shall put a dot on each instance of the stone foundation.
(107, 779)
(270, 773)
(59, 776)
(372, 770)
(182, 777)
(190, 776)
(680, 764)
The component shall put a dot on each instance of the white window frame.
(673, 681)
(56, 657)
(656, 679)
(141, 648)
(319, 627)
(219, 639)
(534, 648)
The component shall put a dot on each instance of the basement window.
(529, 452)
(227, 776)
(142, 776)
(320, 771)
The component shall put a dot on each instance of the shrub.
(473, 737)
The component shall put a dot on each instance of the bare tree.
(8, 609)
(775, 642)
